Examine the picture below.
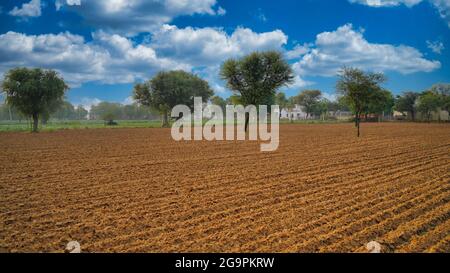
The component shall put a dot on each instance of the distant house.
(400, 115)
(296, 113)
(341, 115)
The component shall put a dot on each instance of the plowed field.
(127, 190)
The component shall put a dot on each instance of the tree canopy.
(168, 89)
(407, 103)
(357, 89)
(256, 77)
(34, 92)
(428, 102)
(309, 99)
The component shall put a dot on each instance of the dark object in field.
(111, 123)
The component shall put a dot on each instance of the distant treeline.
(102, 111)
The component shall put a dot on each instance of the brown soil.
(128, 190)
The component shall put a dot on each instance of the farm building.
(297, 113)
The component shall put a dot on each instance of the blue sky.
(103, 47)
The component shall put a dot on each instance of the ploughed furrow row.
(335, 224)
(138, 190)
(174, 159)
(286, 218)
(80, 170)
(231, 183)
(360, 205)
(397, 238)
(382, 222)
(426, 238)
(443, 246)
(248, 213)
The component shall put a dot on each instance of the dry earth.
(127, 190)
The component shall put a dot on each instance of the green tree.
(321, 108)
(219, 101)
(309, 100)
(381, 103)
(281, 100)
(168, 89)
(234, 100)
(107, 111)
(257, 77)
(428, 103)
(8, 112)
(81, 112)
(34, 92)
(65, 111)
(407, 103)
(443, 91)
(356, 87)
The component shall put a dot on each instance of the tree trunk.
(413, 116)
(35, 122)
(247, 119)
(358, 127)
(10, 114)
(358, 121)
(165, 120)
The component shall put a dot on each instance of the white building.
(296, 113)
(299, 114)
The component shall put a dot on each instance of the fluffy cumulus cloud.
(207, 48)
(347, 47)
(30, 9)
(108, 58)
(442, 6)
(112, 58)
(212, 46)
(298, 51)
(131, 17)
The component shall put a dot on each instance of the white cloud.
(300, 83)
(436, 46)
(87, 102)
(330, 96)
(112, 58)
(130, 17)
(347, 47)
(107, 59)
(31, 9)
(260, 15)
(207, 48)
(298, 51)
(128, 100)
(212, 46)
(443, 6)
(221, 11)
(60, 3)
(386, 3)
